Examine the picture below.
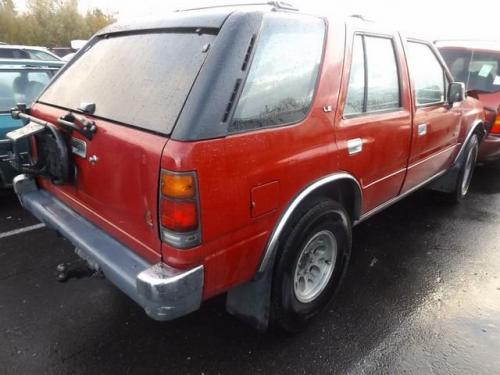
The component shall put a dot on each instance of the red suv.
(477, 64)
(232, 150)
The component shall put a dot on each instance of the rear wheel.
(311, 264)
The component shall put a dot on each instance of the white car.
(27, 52)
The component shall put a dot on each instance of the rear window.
(21, 87)
(140, 80)
(282, 78)
(479, 70)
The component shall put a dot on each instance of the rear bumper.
(164, 292)
(490, 148)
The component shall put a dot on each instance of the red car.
(234, 150)
(477, 64)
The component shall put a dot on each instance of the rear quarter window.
(140, 80)
(282, 78)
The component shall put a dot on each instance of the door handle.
(354, 146)
(422, 129)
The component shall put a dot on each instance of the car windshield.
(479, 70)
(18, 86)
(141, 80)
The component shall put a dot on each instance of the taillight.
(495, 129)
(179, 209)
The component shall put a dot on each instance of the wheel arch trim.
(477, 124)
(272, 244)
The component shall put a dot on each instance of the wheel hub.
(315, 266)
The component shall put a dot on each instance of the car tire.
(311, 264)
(466, 170)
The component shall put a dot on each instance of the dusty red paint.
(120, 192)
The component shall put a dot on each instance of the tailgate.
(133, 87)
(116, 184)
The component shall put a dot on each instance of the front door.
(436, 126)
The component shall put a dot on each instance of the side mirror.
(456, 92)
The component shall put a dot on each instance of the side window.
(374, 77)
(427, 73)
(21, 87)
(383, 79)
(282, 78)
(356, 92)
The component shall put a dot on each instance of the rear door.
(133, 86)
(375, 129)
(436, 126)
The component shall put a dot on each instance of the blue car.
(21, 81)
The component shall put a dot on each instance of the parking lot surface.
(422, 295)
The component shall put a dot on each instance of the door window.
(427, 73)
(374, 77)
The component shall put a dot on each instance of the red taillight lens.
(179, 209)
(179, 216)
(495, 129)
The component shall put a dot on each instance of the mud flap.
(448, 182)
(251, 301)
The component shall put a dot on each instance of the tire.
(323, 230)
(466, 171)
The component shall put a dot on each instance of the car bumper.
(490, 148)
(164, 292)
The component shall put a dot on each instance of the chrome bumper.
(164, 292)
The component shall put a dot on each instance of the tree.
(8, 24)
(50, 23)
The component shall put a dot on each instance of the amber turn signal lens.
(495, 129)
(179, 186)
(179, 216)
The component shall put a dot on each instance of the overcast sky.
(436, 18)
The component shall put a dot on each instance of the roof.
(213, 17)
(35, 48)
(30, 64)
(469, 44)
(208, 17)
(28, 48)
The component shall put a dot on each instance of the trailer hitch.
(76, 270)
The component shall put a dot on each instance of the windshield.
(140, 80)
(479, 70)
(21, 87)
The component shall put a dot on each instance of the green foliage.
(50, 23)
